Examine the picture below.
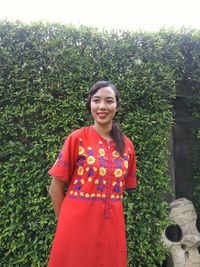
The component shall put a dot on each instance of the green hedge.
(45, 72)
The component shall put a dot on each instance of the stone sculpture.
(184, 253)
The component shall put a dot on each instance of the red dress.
(91, 229)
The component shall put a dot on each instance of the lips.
(102, 115)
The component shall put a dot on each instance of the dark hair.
(116, 132)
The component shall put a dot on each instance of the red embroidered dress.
(91, 230)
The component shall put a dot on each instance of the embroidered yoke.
(91, 230)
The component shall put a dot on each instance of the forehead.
(105, 92)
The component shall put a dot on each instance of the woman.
(98, 163)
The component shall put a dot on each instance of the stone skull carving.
(184, 253)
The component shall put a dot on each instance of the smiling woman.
(98, 162)
(103, 103)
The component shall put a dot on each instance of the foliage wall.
(45, 72)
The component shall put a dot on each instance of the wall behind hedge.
(45, 72)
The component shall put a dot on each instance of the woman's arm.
(57, 194)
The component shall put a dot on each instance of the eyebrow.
(108, 97)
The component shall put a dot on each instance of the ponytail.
(118, 138)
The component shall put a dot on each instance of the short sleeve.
(65, 164)
(130, 181)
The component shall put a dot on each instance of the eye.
(95, 100)
(110, 101)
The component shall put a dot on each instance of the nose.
(102, 105)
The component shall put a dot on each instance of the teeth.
(102, 115)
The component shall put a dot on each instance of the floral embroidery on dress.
(118, 173)
(102, 152)
(118, 163)
(100, 186)
(91, 171)
(78, 183)
(102, 171)
(117, 186)
(101, 156)
(80, 171)
(61, 162)
(81, 155)
(81, 150)
(80, 160)
(101, 182)
(99, 172)
(87, 172)
(116, 154)
(126, 158)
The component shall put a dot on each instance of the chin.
(101, 122)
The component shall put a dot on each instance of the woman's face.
(103, 106)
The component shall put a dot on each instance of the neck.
(104, 130)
